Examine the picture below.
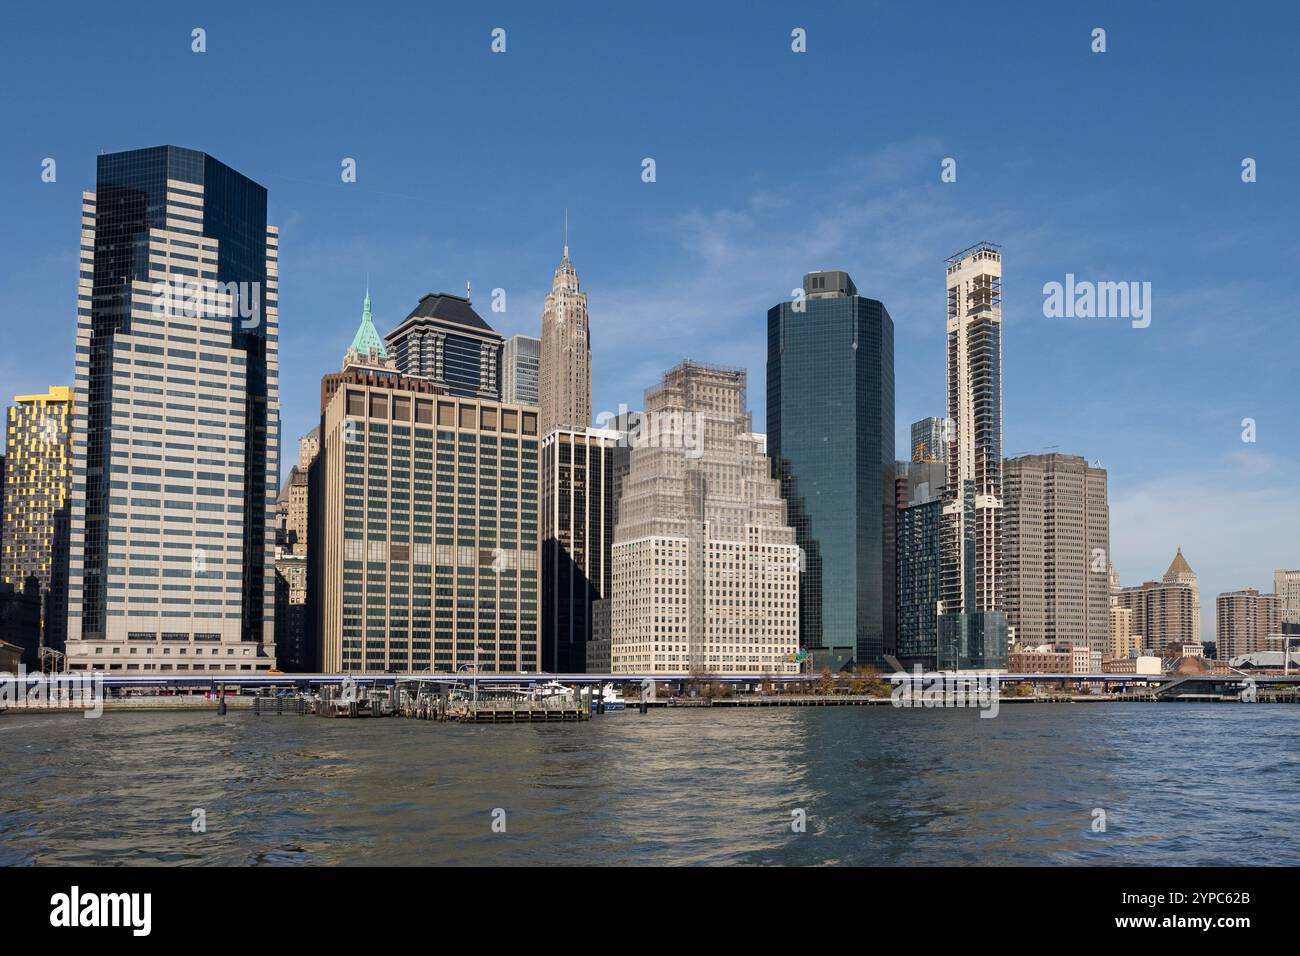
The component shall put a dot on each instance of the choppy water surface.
(1179, 784)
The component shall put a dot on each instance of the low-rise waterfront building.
(1042, 659)
(11, 658)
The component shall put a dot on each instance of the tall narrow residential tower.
(974, 632)
(176, 421)
(564, 375)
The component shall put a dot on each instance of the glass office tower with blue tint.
(830, 424)
(176, 427)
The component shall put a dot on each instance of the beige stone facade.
(1123, 641)
(706, 569)
(564, 373)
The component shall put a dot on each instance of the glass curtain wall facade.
(578, 513)
(520, 361)
(830, 418)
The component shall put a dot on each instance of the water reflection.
(1213, 784)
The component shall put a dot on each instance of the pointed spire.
(1179, 566)
(367, 347)
(566, 277)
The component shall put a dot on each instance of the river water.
(1213, 784)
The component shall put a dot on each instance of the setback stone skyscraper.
(972, 627)
(706, 569)
(176, 423)
(830, 419)
(564, 376)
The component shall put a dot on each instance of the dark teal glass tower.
(830, 422)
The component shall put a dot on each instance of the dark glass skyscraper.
(578, 514)
(830, 421)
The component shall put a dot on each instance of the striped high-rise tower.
(176, 421)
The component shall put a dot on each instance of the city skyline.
(701, 253)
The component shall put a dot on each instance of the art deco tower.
(564, 385)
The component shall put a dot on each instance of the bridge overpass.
(203, 682)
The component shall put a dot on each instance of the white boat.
(551, 692)
(611, 699)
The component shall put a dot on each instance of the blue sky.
(1123, 165)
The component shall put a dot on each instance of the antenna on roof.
(467, 296)
(566, 233)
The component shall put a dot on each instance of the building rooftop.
(449, 308)
(993, 248)
(367, 337)
(1179, 565)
